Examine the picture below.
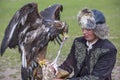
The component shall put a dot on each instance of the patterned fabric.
(79, 48)
(97, 64)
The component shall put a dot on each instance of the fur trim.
(86, 19)
(101, 31)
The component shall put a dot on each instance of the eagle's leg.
(35, 66)
(42, 62)
(34, 71)
(41, 57)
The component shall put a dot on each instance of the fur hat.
(93, 19)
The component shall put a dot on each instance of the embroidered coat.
(95, 64)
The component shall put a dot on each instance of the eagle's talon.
(42, 62)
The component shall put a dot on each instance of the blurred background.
(10, 62)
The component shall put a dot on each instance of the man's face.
(89, 34)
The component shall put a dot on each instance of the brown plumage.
(31, 31)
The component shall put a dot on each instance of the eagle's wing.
(23, 17)
(52, 12)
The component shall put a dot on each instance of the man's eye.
(89, 29)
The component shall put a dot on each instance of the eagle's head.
(55, 28)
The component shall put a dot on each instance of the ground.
(9, 72)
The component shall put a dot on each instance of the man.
(92, 56)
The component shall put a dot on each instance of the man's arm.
(67, 66)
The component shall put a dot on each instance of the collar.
(90, 44)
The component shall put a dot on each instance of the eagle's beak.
(65, 35)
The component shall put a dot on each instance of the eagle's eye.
(58, 24)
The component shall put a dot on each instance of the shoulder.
(108, 44)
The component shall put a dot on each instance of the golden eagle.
(31, 31)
